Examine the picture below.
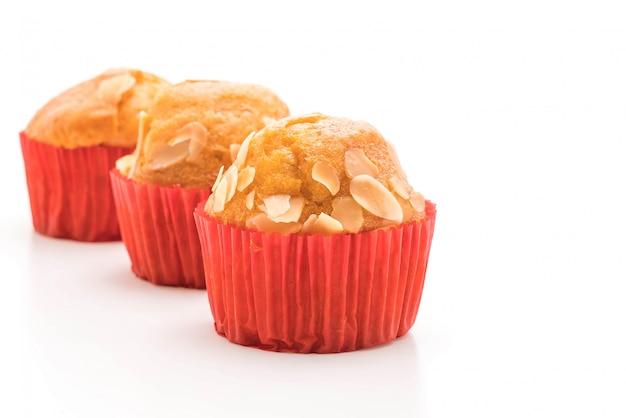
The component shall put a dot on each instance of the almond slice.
(196, 134)
(250, 200)
(218, 179)
(167, 155)
(242, 154)
(348, 212)
(124, 164)
(408, 213)
(225, 189)
(276, 205)
(112, 89)
(219, 197)
(357, 163)
(418, 202)
(324, 224)
(327, 225)
(263, 223)
(326, 174)
(234, 149)
(398, 187)
(246, 175)
(391, 150)
(208, 206)
(375, 198)
(296, 204)
(143, 117)
(230, 176)
(307, 226)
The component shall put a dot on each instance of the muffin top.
(100, 111)
(195, 127)
(315, 174)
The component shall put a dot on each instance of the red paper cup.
(314, 293)
(159, 232)
(69, 190)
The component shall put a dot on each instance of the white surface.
(511, 117)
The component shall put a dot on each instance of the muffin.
(313, 240)
(191, 130)
(71, 144)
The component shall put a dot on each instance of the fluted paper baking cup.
(69, 190)
(314, 293)
(159, 232)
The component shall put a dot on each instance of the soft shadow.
(86, 293)
(379, 381)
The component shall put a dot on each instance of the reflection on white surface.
(96, 334)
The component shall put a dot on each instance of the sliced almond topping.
(398, 187)
(209, 205)
(225, 189)
(326, 174)
(348, 212)
(394, 158)
(220, 196)
(263, 223)
(188, 131)
(276, 205)
(112, 89)
(296, 204)
(357, 163)
(196, 134)
(166, 155)
(250, 200)
(242, 154)
(246, 175)
(124, 164)
(375, 198)
(234, 149)
(218, 179)
(418, 202)
(407, 213)
(325, 224)
(143, 117)
(307, 227)
(230, 176)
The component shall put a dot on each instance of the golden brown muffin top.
(100, 111)
(195, 127)
(315, 174)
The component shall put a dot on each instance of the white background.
(511, 116)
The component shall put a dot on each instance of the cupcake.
(191, 130)
(313, 240)
(71, 144)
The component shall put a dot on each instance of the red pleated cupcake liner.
(69, 190)
(314, 293)
(159, 232)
